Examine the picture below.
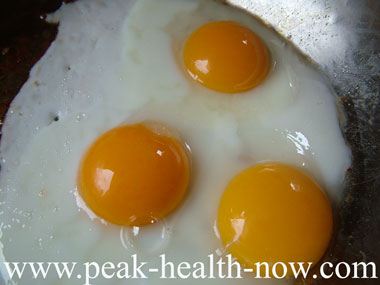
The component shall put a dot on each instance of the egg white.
(117, 62)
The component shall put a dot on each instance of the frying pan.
(342, 38)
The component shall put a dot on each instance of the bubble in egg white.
(125, 64)
(147, 241)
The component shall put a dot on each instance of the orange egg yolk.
(226, 57)
(134, 176)
(274, 213)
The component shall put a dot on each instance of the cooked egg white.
(120, 62)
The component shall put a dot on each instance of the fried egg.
(116, 69)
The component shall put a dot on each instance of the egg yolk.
(226, 57)
(274, 213)
(133, 175)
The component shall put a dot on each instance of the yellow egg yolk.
(226, 57)
(274, 213)
(134, 176)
